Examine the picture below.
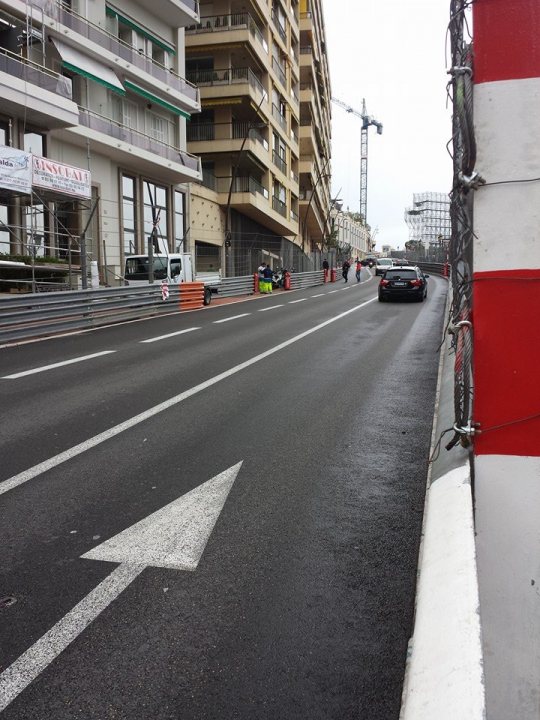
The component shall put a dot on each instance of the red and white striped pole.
(506, 321)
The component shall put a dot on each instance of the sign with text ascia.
(15, 169)
(51, 175)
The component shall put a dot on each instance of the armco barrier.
(241, 285)
(34, 315)
(191, 295)
(307, 279)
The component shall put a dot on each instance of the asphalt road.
(283, 589)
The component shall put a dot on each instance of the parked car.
(403, 282)
(382, 265)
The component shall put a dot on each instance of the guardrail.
(436, 268)
(27, 316)
(231, 286)
(306, 279)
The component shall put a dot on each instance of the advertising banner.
(15, 170)
(51, 175)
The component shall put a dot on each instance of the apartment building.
(265, 191)
(352, 237)
(93, 93)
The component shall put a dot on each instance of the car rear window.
(402, 274)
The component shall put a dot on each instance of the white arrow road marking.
(173, 537)
(163, 337)
(92, 442)
(57, 365)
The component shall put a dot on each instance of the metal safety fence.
(306, 279)
(32, 315)
(232, 286)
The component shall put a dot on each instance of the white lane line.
(92, 442)
(347, 288)
(319, 295)
(56, 365)
(272, 307)
(291, 302)
(234, 317)
(333, 291)
(32, 663)
(163, 337)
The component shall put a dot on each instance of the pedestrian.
(267, 273)
(345, 269)
(326, 268)
(260, 273)
(358, 269)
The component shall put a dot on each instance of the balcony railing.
(279, 162)
(242, 185)
(282, 120)
(35, 74)
(113, 44)
(134, 137)
(229, 76)
(294, 216)
(282, 32)
(223, 23)
(279, 206)
(207, 132)
(279, 72)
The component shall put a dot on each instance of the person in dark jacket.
(268, 272)
(326, 267)
(345, 269)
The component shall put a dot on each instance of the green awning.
(81, 64)
(111, 12)
(155, 99)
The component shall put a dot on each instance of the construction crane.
(367, 120)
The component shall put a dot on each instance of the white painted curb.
(444, 674)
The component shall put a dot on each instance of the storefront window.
(179, 221)
(129, 215)
(155, 214)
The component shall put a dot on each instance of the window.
(124, 111)
(155, 214)
(129, 226)
(158, 127)
(179, 221)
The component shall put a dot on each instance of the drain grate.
(7, 601)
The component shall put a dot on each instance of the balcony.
(253, 200)
(279, 162)
(217, 83)
(280, 119)
(279, 206)
(280, 73)
(282, 31)
(240, 27)
(103, 45)
(41, 95)
(177, 13)
(209, 132)
(214, 138)
(131, 147)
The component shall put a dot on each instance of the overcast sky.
(392, 53)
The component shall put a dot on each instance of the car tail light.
(416, 283)
(384, 283)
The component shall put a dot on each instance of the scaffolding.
(429, 224)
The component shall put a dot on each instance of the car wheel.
(207, 296)
(381, 299)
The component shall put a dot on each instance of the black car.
(403, 282)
